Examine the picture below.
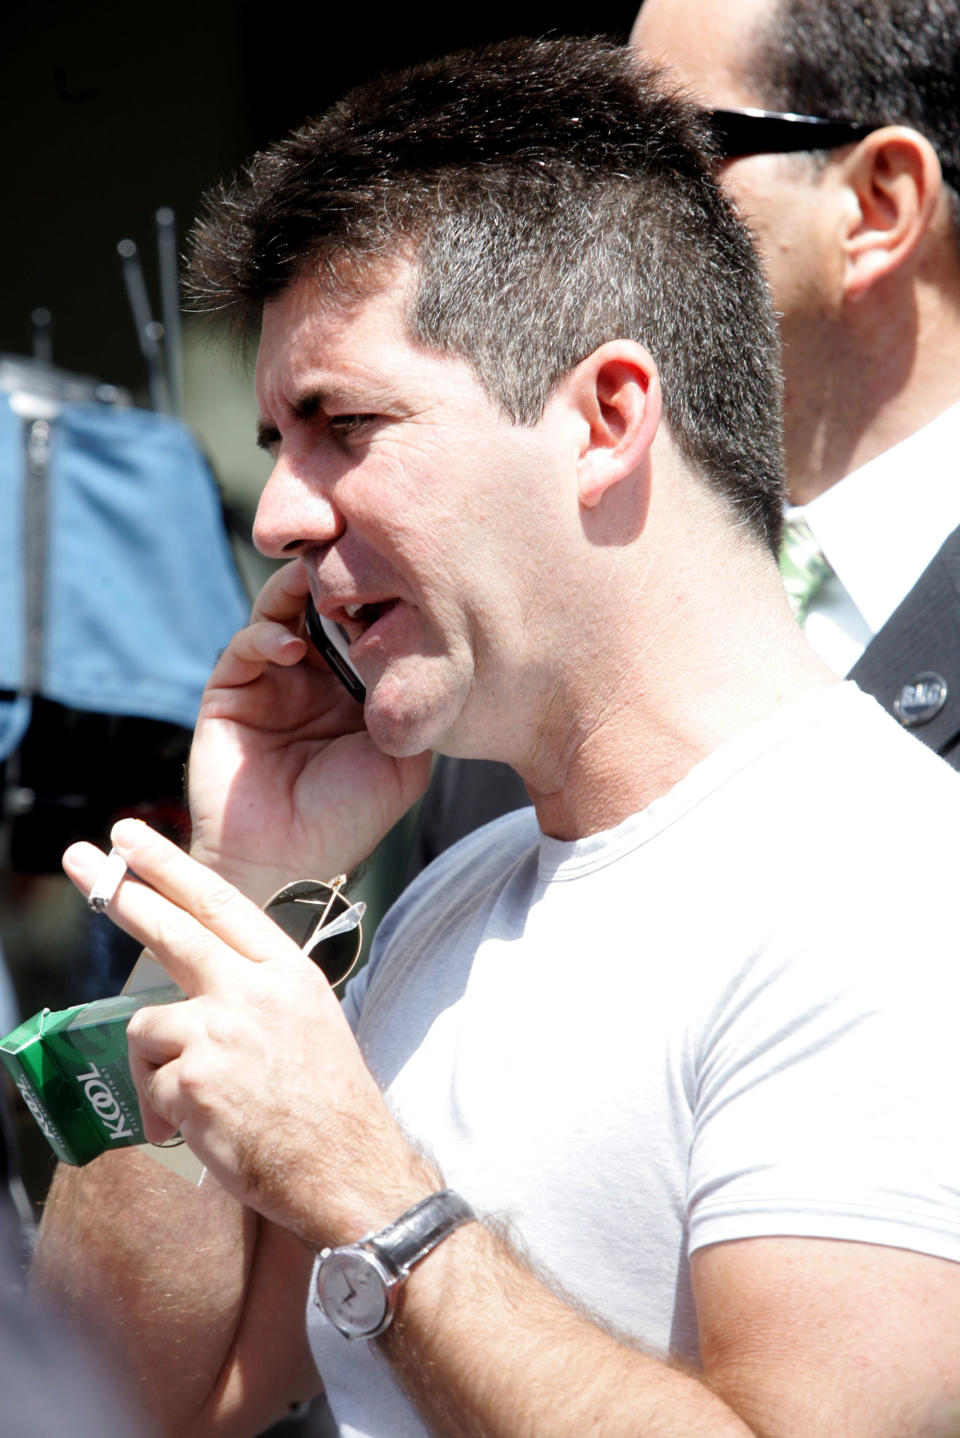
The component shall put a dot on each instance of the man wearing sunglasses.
(838, 127)
(610, 1136)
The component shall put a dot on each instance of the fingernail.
(127, 833)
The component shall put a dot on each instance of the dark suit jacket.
(921, 636)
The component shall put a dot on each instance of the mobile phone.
(332, 643)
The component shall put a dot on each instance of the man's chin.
(403, 720)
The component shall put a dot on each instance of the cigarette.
(107, 882)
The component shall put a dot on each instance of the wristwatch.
(358, 1284)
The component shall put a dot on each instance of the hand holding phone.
(332, 643)
(284, 777)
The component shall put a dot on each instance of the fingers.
(84, 864)
(156, 1039)
(206, 897)
(269, 638)
(251, 650)
(283, 596)
(196, 925)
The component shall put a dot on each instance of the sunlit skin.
(705, 46)
(501, 584)
(781, 199)
(428, 523)
(860, 252)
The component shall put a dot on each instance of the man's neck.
(883, 381)
(741, 657)
(829, 459)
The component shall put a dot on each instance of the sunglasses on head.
(322, 922)
(771, 132)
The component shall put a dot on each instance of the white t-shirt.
(734, 1014)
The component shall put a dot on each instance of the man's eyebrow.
(308, 404)
(313, 401)
(303, 408)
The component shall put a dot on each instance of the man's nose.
(293, 515)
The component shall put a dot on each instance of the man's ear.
(617, 391)
(895, 182)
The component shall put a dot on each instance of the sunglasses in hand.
(322, 922)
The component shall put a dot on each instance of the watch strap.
(421, 1228)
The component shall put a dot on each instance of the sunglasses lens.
(726, 129)
(758, 132)
(303, 910)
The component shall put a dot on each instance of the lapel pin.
(921, 700)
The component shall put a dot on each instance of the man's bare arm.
(817, 1336)
(485, 1348)
(802, 1338)
(195, 1298)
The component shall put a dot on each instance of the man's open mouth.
(358, 618)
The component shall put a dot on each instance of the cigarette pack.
(71, 1067)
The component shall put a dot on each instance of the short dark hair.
(553, 195)
(878, 62)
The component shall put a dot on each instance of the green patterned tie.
(802, 566)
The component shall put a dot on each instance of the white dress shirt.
(879, 528)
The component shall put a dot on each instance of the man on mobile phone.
(610, 1136)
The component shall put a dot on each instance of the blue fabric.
(12, 617)
(141, 588)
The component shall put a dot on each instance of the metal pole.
(149, 332)
(170, 306)
(42, 321)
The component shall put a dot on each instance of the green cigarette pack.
(71, 1067)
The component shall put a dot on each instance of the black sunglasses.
(322, 922)
(770, 132)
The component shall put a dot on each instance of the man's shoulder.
(868, 735)
(829, 785)
(841, 731)
(471, 866)
(488, 844)
(445, 908)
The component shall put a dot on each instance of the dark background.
(111, 111)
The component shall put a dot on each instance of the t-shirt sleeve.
(825, 1086)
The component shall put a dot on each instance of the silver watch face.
(353, 1290)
